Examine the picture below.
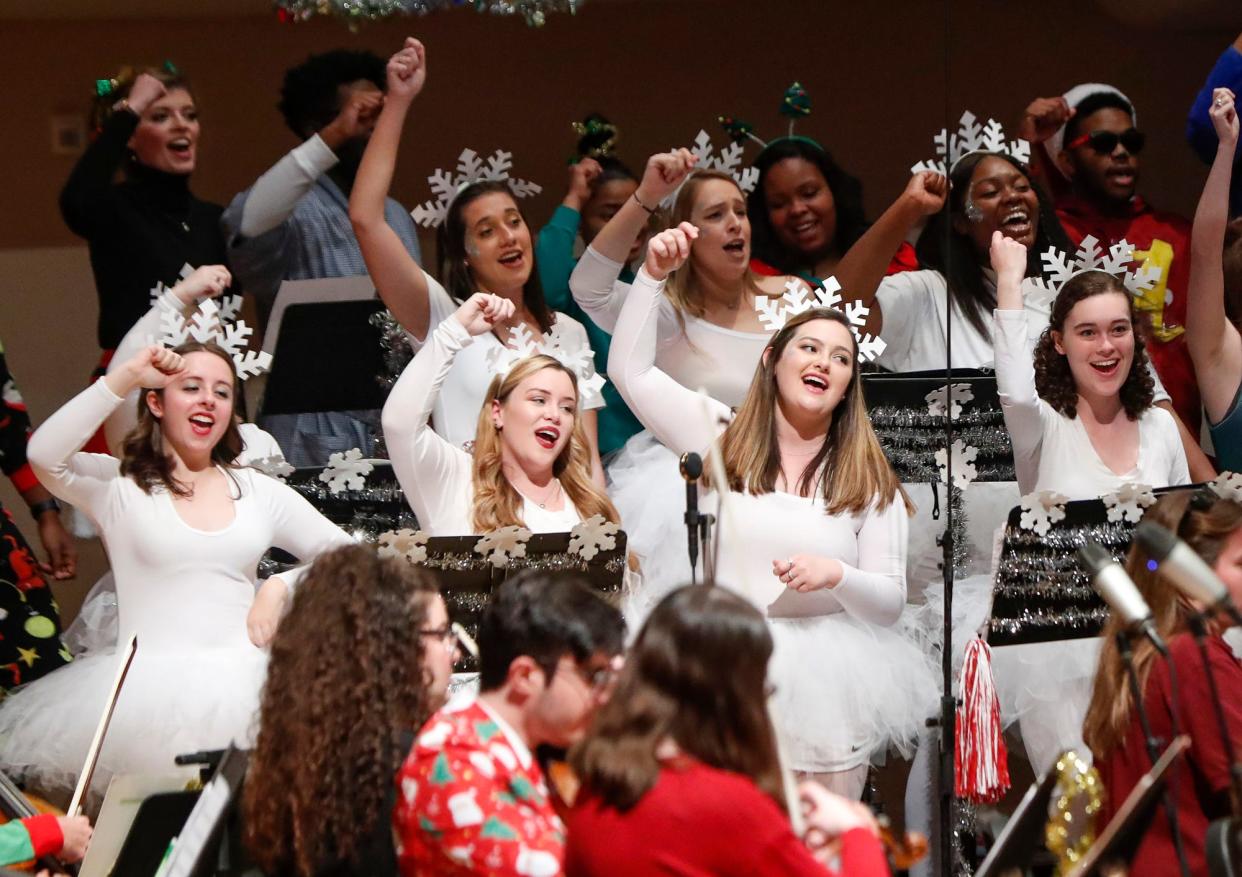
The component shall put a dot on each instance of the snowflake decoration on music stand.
(1228, 485)
(274, 466)
(592, 536)
(951, 398)
(409, 545)
(346, 471)
(964, 471)
(503, 545)
(1041, 510)
(1129, 502)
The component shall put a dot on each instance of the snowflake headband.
(972, 138)
(1061, 267)
(799, 298)
(210, 324)
(728, 161)
(446, 185)
(576, 357)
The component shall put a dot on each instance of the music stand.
(1024, 833)
(1120, 839)
(467, 578)
(1041, 592)
(196, 851)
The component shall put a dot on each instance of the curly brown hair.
(1053, 379)
(345, 682)
(142, 453)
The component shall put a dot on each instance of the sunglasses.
(1105, 142)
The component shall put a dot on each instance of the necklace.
(556, 488)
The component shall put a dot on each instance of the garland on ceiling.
(357, 12)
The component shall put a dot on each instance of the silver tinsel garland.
(357, 12)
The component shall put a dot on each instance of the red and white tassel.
(982, 761)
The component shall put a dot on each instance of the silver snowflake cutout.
(774, 312)
(209, 324)
(950, 398)
(1228, 485)
(964, 471)
(727, 161)
(588, 538)
(971, 137)
(275, 466)
(1041, 510)
(406, 544)
(1128, 502)
(346, 471)
(471, 168)
(503, 545)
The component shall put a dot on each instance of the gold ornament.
(1078, 797)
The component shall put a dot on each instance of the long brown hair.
(345, 681)
(142, 453)
(454, 267)
(496, 502)
(683, 287)
(695, 675)
(1053, 379)
(1205, 523)
(850, 468)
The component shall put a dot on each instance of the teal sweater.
(554, 254)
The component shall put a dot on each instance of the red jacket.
(1166, 344)
(1200, 784)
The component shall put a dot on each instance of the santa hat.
(1074, 97)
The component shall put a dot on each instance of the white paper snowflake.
(274, 466)
(346, 471)
(209, 325)
(592, 536)
(964, 471)
(471, 168)
(1041, 510)
(410, 545)
(1059, 267)
(799, 298)
(727, 161)
(1129, 502)
(156, 292)
(566, 349)
(951, 397)
(972, 137)
(503, 545)
(1228, 485)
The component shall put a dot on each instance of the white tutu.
(646, 486)
(94, 629)
(1046, 688)
(846, 690)
(171, 703)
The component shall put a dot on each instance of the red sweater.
(1200, 784)
(699, 821)
(1140, 227)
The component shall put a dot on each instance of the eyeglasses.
(447, 635)
(1105, 142)
(596, 679)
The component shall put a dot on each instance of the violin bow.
(92, 754)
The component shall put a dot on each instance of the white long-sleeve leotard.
(435, 473)
(179, 587)
(870, 546)
(719, 360)
(1052, 451)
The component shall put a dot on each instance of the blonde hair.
(496, 502)
(683, 288)
(850, 469)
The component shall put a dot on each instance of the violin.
(15, 804)
(904, 851)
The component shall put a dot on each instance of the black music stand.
(1041, 592)
(1023, 835)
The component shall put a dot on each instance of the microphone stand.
(1152, 744)
(706, 522)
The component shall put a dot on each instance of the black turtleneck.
(140, 231)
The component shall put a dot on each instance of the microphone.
(1113, 584)
(1185, 570)
(691, 466)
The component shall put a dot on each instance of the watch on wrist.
(46, 505)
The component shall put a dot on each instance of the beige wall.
(877, 73)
